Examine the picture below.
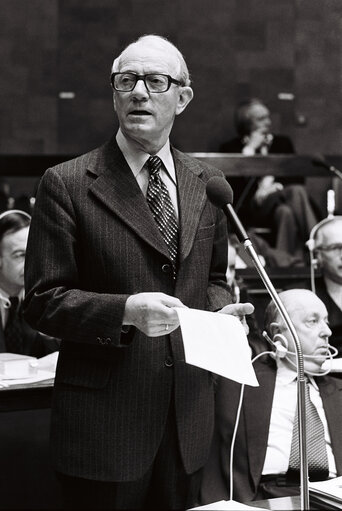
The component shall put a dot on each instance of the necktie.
(13, 331)
(162, 209)
(316, 447)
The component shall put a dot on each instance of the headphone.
(311, 246)
(281, 351)
(18, 211)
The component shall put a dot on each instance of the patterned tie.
(316, 447)
(13, 331)
(162, 209)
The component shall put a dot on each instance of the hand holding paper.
(218, 343)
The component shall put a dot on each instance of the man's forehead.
(332, 230)
(151, 51)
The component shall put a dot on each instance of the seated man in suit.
(282, 205)
(328, 253)
(264, 461)
(16, 336)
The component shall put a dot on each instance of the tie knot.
(14, 302)
(154, 164)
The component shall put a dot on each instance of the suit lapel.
(258, 418)
(331, 393)
(191, 197)
(117, 188)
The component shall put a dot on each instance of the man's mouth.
(139, 112)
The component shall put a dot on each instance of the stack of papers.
(21, 369)
(326, 494)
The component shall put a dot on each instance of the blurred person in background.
(16, 336)
(281, 205)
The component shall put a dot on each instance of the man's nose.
(326, 330)
(140, 91)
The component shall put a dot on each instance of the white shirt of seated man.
(310, 319)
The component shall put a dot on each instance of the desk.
(27, 480)
(282, 504)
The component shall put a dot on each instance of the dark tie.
(162, 209)
(13, 330)
(316, 446)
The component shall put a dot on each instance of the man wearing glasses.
(328, 251)
(119, 238)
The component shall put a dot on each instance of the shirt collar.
(136, 158)
(287, 375)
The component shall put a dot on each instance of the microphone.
(220, 194)
(320, 161)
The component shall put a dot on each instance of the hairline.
(183, 68)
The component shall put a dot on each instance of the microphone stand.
(304, 475)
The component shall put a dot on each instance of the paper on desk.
(227, 505)
(218, 343)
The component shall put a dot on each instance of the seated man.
(283, 204)
(264, 462)
(328, 251)
(16, 336)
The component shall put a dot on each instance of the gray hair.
(183, 71)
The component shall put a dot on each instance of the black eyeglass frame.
(143, 78)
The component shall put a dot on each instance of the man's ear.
(274, 329)
(185, 96)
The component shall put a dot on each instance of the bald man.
(262, 455)
(328, 252)
(119, 238)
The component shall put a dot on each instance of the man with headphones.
(265, 462)
(16, 336)
(325, 245)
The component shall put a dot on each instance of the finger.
(238, 309)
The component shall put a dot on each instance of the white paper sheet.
(218, 343)
(227, 505)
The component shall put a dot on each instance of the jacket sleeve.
(55, 302)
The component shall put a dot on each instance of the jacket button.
(166, 268)
(108, 340)
(168, 362)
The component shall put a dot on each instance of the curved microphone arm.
(304, 494)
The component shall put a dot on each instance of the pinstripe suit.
(93, 242)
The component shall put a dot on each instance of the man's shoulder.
(93, 159)
(194, 164)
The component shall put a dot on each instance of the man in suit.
(263, 465)
(282, 205)
(16, 336)
(131, 421)
(328, 251)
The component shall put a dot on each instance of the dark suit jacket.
(245, 188)
(252, 436)
(96, 243)
(334, 315)
(35, 344)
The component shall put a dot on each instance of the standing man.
(123, 235)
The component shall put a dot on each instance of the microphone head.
(219, 191)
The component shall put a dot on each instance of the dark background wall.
(234, 48)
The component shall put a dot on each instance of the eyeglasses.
(125, 82)
(334, 249)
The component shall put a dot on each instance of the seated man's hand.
(152, 313)
(239, 310)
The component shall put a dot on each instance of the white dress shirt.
(282, 421)
(136, 159)
(5, 305)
